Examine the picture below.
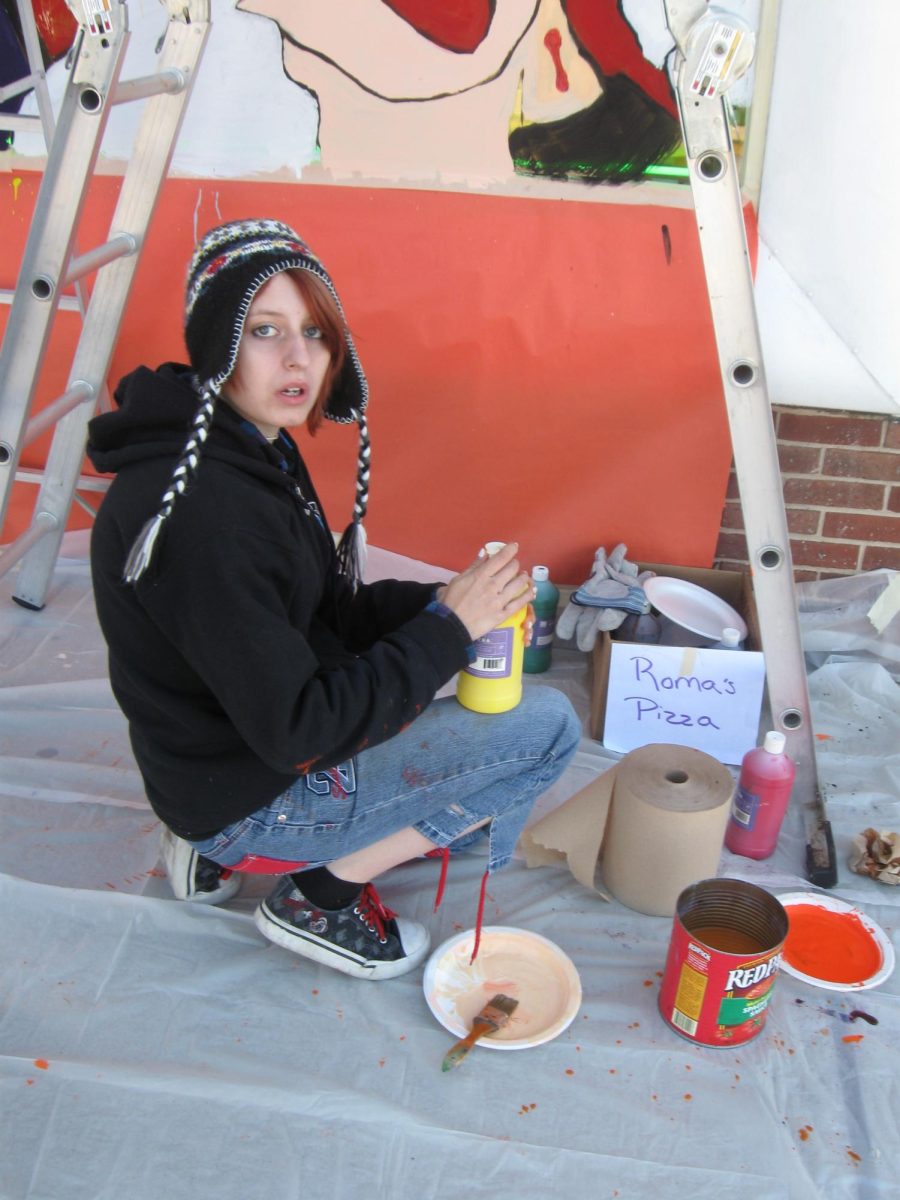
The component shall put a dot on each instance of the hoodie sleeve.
(376, 609)
(243, 612)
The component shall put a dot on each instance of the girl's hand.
(488, 591)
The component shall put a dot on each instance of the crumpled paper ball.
(876, 855)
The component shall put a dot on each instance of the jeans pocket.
(322, 798)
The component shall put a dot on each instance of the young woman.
(280, 711)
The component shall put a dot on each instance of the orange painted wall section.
(540, 371)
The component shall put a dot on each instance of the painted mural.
(479, 87)
(472, 93)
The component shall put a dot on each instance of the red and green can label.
(714, 997)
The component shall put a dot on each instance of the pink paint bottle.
(761, 799)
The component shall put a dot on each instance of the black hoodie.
(241, 658)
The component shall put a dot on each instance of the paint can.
(724, 954)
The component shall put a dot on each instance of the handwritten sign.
(708, 699)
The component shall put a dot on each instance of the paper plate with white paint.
(524, 965)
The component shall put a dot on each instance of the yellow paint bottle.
(493, 682)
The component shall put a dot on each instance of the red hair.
(327, 315)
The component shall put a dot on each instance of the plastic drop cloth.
(153, 1049)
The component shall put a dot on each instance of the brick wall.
(841, 476)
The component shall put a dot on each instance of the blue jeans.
(449, 770)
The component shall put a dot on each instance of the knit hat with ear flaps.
(229, 266)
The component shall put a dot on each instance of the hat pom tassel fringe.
(352, 552)
(142, 551)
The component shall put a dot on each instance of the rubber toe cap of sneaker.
(414, 938)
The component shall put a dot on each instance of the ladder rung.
(120, 246)
(17, 124)
(172, 81)
(75, 395)
(84, 483)
(68, 302)
(25, 84)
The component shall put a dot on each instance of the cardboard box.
(734, 587)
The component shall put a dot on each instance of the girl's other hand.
(489, 591)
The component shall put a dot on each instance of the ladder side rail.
(45, 118)
(144, 178)
(51, 238)
(718, 208)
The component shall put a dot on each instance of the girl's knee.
(553, 712)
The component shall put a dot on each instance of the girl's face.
(282, 360)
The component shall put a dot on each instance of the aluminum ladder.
(51, 262)
(713, 49)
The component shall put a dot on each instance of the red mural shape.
(553, 42)
(55, 25)
(459, 25)
(604, 33)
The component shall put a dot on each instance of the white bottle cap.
(774, 742)
(731, 637)
(540, 574)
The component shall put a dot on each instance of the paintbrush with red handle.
(493, 1016)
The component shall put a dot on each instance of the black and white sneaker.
(364, 939)
(193, 877)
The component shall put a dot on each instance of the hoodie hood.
(154, 414)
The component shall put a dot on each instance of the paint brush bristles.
(493, 1016)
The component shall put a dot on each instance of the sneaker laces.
(443, 853)
(479, 919)
(374, 914)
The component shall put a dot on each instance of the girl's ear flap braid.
(352, 547)
(352, 553)
(185, 469)
(141, 552)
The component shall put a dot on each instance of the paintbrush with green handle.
(493, 1016)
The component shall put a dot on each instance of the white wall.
(828, 285)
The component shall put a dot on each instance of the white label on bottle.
(542, 632)
(493, 655)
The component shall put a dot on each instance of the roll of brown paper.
(666, 825)
(660, 818)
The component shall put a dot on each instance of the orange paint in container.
(832, 946)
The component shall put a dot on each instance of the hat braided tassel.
(351, 550)
(141, 552)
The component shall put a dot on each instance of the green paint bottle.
(545, 604)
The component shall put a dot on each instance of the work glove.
(604, 600)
